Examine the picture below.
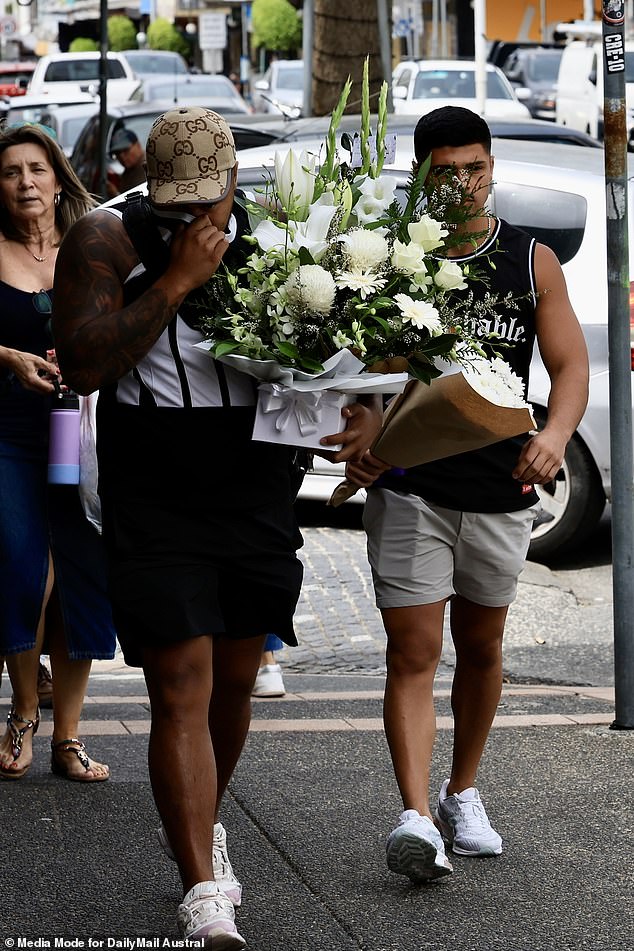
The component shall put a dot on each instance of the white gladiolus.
(420, 313)
(365, 250)
(377, 194)
(311, 286)
(427, 232)
(450, 277)
(295, 181)
(496, 382)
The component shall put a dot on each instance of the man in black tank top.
(457, 531)
(197, 517)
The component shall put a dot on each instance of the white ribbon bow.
(306, 407)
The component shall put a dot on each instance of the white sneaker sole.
(485, 851)
(415, 857)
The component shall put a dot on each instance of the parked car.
(419, 87)
(533, 74)
(294, 130)
(32, 108)
(68, 122)
(556, 193)
(79, 72)
(148, 63)
(14, 77)
(215, 92)
(281, 89)
(580, 88)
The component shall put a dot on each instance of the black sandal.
(17, 736)
(73, 745)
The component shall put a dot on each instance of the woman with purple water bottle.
(52, 577)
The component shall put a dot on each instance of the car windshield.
(456, 84)
(211, 88)
(81, 70)
(147, 63)
(544, 66)
(291, 77)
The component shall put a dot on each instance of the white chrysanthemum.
(496, 382)
(311, 286)
(420, 313)
(363, 282)
(364, 250)
(449, 277)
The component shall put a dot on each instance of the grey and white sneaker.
(415, 848)
(223, 872)
(206, 913)
(464, 823)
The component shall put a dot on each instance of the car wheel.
(572, 504)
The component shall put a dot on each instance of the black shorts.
(198, 547)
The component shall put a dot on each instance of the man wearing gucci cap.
(197, 518)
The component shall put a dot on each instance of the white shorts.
(421, 553)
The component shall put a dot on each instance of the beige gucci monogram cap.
(190, 155)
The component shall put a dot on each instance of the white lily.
(295, 182)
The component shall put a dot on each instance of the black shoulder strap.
(144, 234)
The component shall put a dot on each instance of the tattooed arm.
(97, 338)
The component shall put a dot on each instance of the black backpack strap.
(144, 234)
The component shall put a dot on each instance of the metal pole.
(385, 42)
(308, 27)
(103, 99)
(480, 45)
(615, 132)
(434, 29)
(444, 48)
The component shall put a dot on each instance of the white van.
(75, 73)
(580, 88)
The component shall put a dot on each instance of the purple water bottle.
(63, 442)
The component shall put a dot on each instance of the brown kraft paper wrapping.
(444, 418)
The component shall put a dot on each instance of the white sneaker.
(223, 872)
(206, 913)
(415, 848)
(268, 682)
(464, 823)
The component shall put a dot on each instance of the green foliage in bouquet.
(338, 263)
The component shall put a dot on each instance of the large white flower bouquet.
(338, 265)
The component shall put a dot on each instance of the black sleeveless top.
(481, 481)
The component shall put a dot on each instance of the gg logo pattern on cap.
(190, 156)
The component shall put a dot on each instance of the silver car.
(557, 193)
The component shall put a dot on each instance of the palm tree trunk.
(344, 34)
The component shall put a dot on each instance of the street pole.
(385, 41)
(480, 41)
(615, 144)
(103, 99)
(308, 28)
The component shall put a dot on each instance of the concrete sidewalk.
(313, 799)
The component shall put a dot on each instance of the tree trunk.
(344, 34)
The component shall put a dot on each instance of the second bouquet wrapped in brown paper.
(449, 416)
